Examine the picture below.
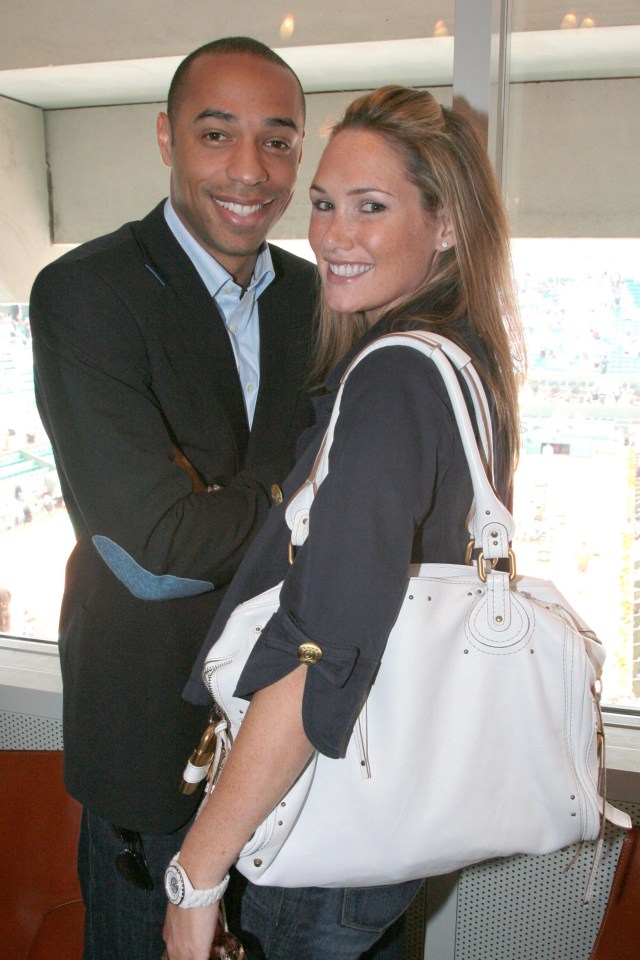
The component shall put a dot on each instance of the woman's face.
(372, 238)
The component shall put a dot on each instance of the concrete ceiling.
(535, 56)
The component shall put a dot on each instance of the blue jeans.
(122, 921)
(315, 923)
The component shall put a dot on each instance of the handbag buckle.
(468, 552)
(484, 567)
(205, 751)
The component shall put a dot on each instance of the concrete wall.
(572, 169)
(572, 165)
(573, 154)
(105, 168)
(24, 202)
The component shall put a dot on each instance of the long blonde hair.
(444, 156)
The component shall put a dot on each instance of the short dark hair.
(248, 45)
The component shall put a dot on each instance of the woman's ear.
(446, 235)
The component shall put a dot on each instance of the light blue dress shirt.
(238, 307)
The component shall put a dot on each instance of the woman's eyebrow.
(356, 191)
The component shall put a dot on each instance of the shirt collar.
(213, 274)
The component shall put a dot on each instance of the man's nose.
(246, 164)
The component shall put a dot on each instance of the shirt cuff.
(336, 684)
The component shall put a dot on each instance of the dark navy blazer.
(131, 358)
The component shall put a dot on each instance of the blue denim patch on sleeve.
(140, 582)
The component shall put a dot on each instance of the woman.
(408, 230)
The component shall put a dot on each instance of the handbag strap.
(491, 524)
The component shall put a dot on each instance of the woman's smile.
(348, 271)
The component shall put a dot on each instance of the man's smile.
(240, 209)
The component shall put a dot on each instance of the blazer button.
(276, 493)
(309, 653)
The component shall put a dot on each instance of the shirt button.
(309, 653)
(276, 493)
(234, 328)
(250, 388)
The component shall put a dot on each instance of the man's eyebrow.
(213, 114)
(282, 122)
(210, 113)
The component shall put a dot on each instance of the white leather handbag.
(481, 736)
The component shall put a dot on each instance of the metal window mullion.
(480, 68)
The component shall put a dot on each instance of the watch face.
(174, 885)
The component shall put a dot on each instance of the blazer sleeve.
(113, 445)
(390, 465)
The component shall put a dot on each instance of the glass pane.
(572, 185)
(35, 532)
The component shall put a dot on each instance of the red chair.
(41, 911)
(60, 936)
(619, 934)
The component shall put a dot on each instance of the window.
(35, 533)
(571, 184)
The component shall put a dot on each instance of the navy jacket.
(131, 360)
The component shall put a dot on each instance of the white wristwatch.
(180, 889)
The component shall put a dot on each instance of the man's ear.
(304, 133)
(163, 130)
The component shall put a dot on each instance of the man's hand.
(181, 461)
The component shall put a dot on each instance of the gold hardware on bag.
(204, 752)
(482, 565)
(485, 567)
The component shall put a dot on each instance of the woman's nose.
(339, 233)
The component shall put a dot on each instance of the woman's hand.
(270, 751)
(189, 934)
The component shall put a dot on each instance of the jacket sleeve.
(113, 444)
(391, 455)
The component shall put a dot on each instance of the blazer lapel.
(282, 367)
(191, 317)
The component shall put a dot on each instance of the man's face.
(234, 149)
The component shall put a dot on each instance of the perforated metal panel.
(531, 908)
(20, 731)
(522, 908)
(416, 923)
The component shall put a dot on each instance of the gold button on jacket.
(309, 653)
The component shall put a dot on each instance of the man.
(180, 341)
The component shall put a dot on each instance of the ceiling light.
(287, 27)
